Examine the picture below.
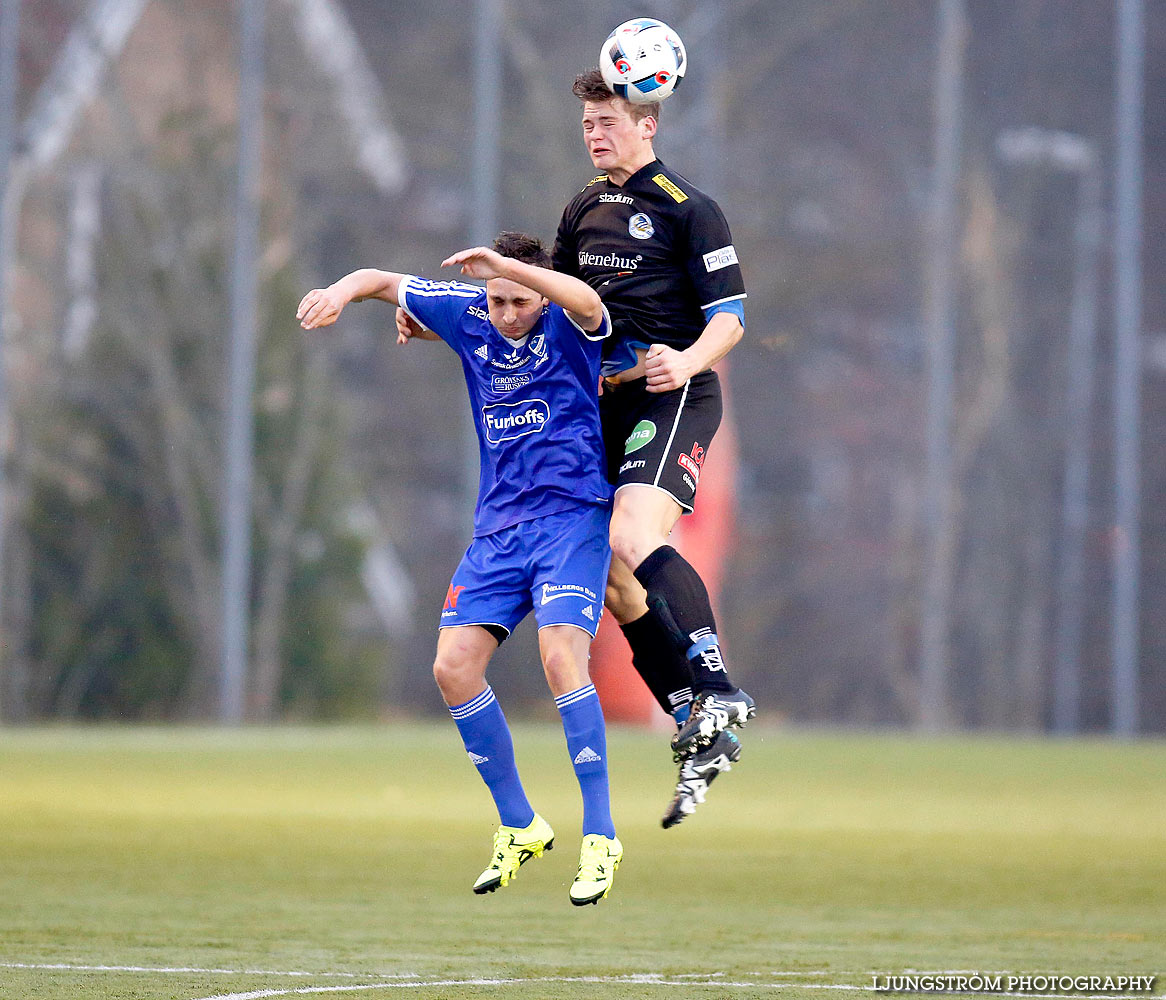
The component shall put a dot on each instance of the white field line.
(638, 980)
(409, 980)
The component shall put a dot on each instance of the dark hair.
(590, 86)
(520, 246)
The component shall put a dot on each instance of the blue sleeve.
(734, 306)
(601, 332)
(438, 305)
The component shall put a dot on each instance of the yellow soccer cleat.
(598, 860)
(514, 847)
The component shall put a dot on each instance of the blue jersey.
(535, 405)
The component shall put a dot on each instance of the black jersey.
(657, 250)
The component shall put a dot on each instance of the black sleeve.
(563, 256)
(712, 259)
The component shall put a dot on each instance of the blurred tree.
(121, 456)
(827, 129)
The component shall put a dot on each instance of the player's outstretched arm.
(579, 301)
(322, 306)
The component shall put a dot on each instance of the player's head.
(514, 308)
(617, 133)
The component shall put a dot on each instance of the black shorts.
(660, 438)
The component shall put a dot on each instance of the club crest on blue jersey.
(641, 227)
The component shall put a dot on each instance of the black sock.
(660, 663)
(670, 579)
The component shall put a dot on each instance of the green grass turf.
(822, 858)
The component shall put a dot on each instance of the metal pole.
(241, 376)
(1066, 151)
(1078, 433)
(485, 157)
(9, 51)
(940, 324)
(1127, 363)
(487, 110)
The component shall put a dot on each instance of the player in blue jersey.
(530, 345)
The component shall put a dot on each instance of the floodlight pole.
(1036, 147)
(1127, 321)
(485, 159)
(9, 51)
(240, 431)
(1079, 426)
(934, 652)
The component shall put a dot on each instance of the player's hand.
(666, 368)
(407, 327)
(320, 307)
(477, 262)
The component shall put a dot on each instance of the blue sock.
(487, 740)
(587, 745)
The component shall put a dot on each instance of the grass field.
(183, 864)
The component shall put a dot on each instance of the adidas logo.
(586, 756)
(589, 612)
(477, 759)
(482, 351)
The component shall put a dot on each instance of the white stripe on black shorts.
(660, 438)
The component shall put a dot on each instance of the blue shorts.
(555, 565)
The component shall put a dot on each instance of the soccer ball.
(643, 60)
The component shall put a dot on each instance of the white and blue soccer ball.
(643, 60)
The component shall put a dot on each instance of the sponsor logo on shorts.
(638, 463)
(452, 595)
(553, 591)
(692, 462)
(724, 257)
(507, 421)
(640, 227)
(641, 434)
(589, 612)
(508, 383)
(688, 481)
(687, 463)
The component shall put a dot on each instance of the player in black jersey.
(660, 254)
